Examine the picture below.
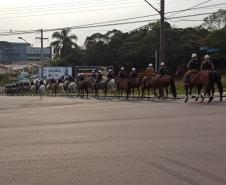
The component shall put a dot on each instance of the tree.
(64, 44)
(216, 21)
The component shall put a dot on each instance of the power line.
(58, 5)
(71, 12)
(74, 7)
(97, 23)
(105, 25)
(192, 7)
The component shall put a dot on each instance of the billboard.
(54, 72)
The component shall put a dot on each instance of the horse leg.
(166, 92)
(186, 91)
(142, 92)
(133, 91)
(199, 91)
(155, 94)
(161, 93)
(138, 90)
(87, 92)
(148, 94)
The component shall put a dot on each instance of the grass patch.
(5, 79)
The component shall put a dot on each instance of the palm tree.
(63, 45)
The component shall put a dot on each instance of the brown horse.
(200, 79)
(83, 87)
(159, 83)
(123, 85)
(135, 83)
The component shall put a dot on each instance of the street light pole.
(21, 38)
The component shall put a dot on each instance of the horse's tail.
(219, 84)
(173, 87)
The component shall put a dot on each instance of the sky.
(26, 15)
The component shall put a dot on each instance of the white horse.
(72, 87)
(60, 89)
(42, 90)
(33, 90)
(111, 86)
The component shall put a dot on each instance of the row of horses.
(117, 86)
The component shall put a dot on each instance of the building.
(11, 52)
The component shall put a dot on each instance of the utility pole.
(42, 38)
(162, 30)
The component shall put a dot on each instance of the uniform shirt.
(149, 71)
(194, 63)
(94, 75)
(162, 70)
(99, 77)
(81, 78)
(110, 75)
(207, 65)
(122, 74)
(133, 74)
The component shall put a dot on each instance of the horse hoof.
(210, 99)
(186, 100)
(196, 99)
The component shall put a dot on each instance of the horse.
(84, 85)
(70, 86)
(102, 85)
(159, 82)
(123, 84)
(135, 83)
(42, 90)
(111, 86)
(200, 79)
(181, 70)
(60, 88)
(51, 87)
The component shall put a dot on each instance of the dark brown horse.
(83, 87)
(122, 84)
(135, 83)
(160, 83)
(200, 79)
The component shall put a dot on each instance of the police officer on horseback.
(150, 71)
(163, 69)
(110, 75)
(122, 73)
(81, 77)
(207, 64)
(193, 67)
(194, 63)
(99, 76)
(94, 75)
(133, 74)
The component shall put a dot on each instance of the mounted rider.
(122, 73)
(193, 67)
(94, 75)
(81, 77)
(207, 64)
(133, 74)
(162, 69)
(99, 76)
(110, 75)
(150, 71)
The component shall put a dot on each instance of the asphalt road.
(66, 141)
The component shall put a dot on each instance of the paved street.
(67, 141)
